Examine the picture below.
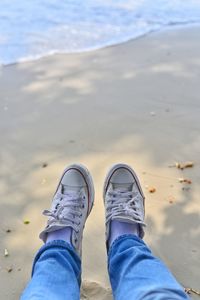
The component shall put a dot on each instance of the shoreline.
(163, 30)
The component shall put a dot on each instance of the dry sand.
(137, 103)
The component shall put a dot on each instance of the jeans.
(134, 273)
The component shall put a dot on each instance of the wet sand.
(136, 103)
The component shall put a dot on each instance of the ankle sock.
(118, 228)
(63, 234)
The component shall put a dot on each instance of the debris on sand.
(190, 290)
(182, 166)
(9, 270)
(6, 253)
(171, 199)
(43, 181)
(44, 165)
(185, 165)
(185, 180)
(26, 222)
(152, 189)
(184, 188)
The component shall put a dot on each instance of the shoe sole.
(88, 180)
(111, 172)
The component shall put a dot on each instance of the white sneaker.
(123, 198)
(71, 205)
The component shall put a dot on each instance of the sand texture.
(136, 103)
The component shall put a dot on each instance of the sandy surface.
(137, 103)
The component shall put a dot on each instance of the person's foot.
(124, 203)
(71, 205)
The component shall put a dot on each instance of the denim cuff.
(55, 244)
(120, 239)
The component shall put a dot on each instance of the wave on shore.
(33, 29)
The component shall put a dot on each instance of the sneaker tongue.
(126, 187)
(66, 189)
(74, 191)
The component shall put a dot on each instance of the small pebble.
(6, 253)
(44, 165)
(10, 270)
(43, 181)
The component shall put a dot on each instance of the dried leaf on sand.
(152, 189)
(185, 180)
(191, 290)
(185, 165)
(26, 222)
(182, 166)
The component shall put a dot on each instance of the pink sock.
(118, 228)
(61, 234)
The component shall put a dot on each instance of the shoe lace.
(67, 209)
(123, 203)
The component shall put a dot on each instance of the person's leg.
(56, 273)
(134, 272)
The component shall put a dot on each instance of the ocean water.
(30, 29)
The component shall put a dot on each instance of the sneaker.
(71, 205)
(123, 198)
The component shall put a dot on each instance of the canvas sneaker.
(71, 205)
(123, 198)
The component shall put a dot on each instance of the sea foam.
(32, 29)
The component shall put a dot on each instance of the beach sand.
(136, 103)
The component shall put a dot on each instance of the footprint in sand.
(91, 290)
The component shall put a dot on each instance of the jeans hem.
(121, 238)
(53, 244)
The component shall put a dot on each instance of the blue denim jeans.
(134, 273)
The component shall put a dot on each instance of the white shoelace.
(68, 210)
(122, 203)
